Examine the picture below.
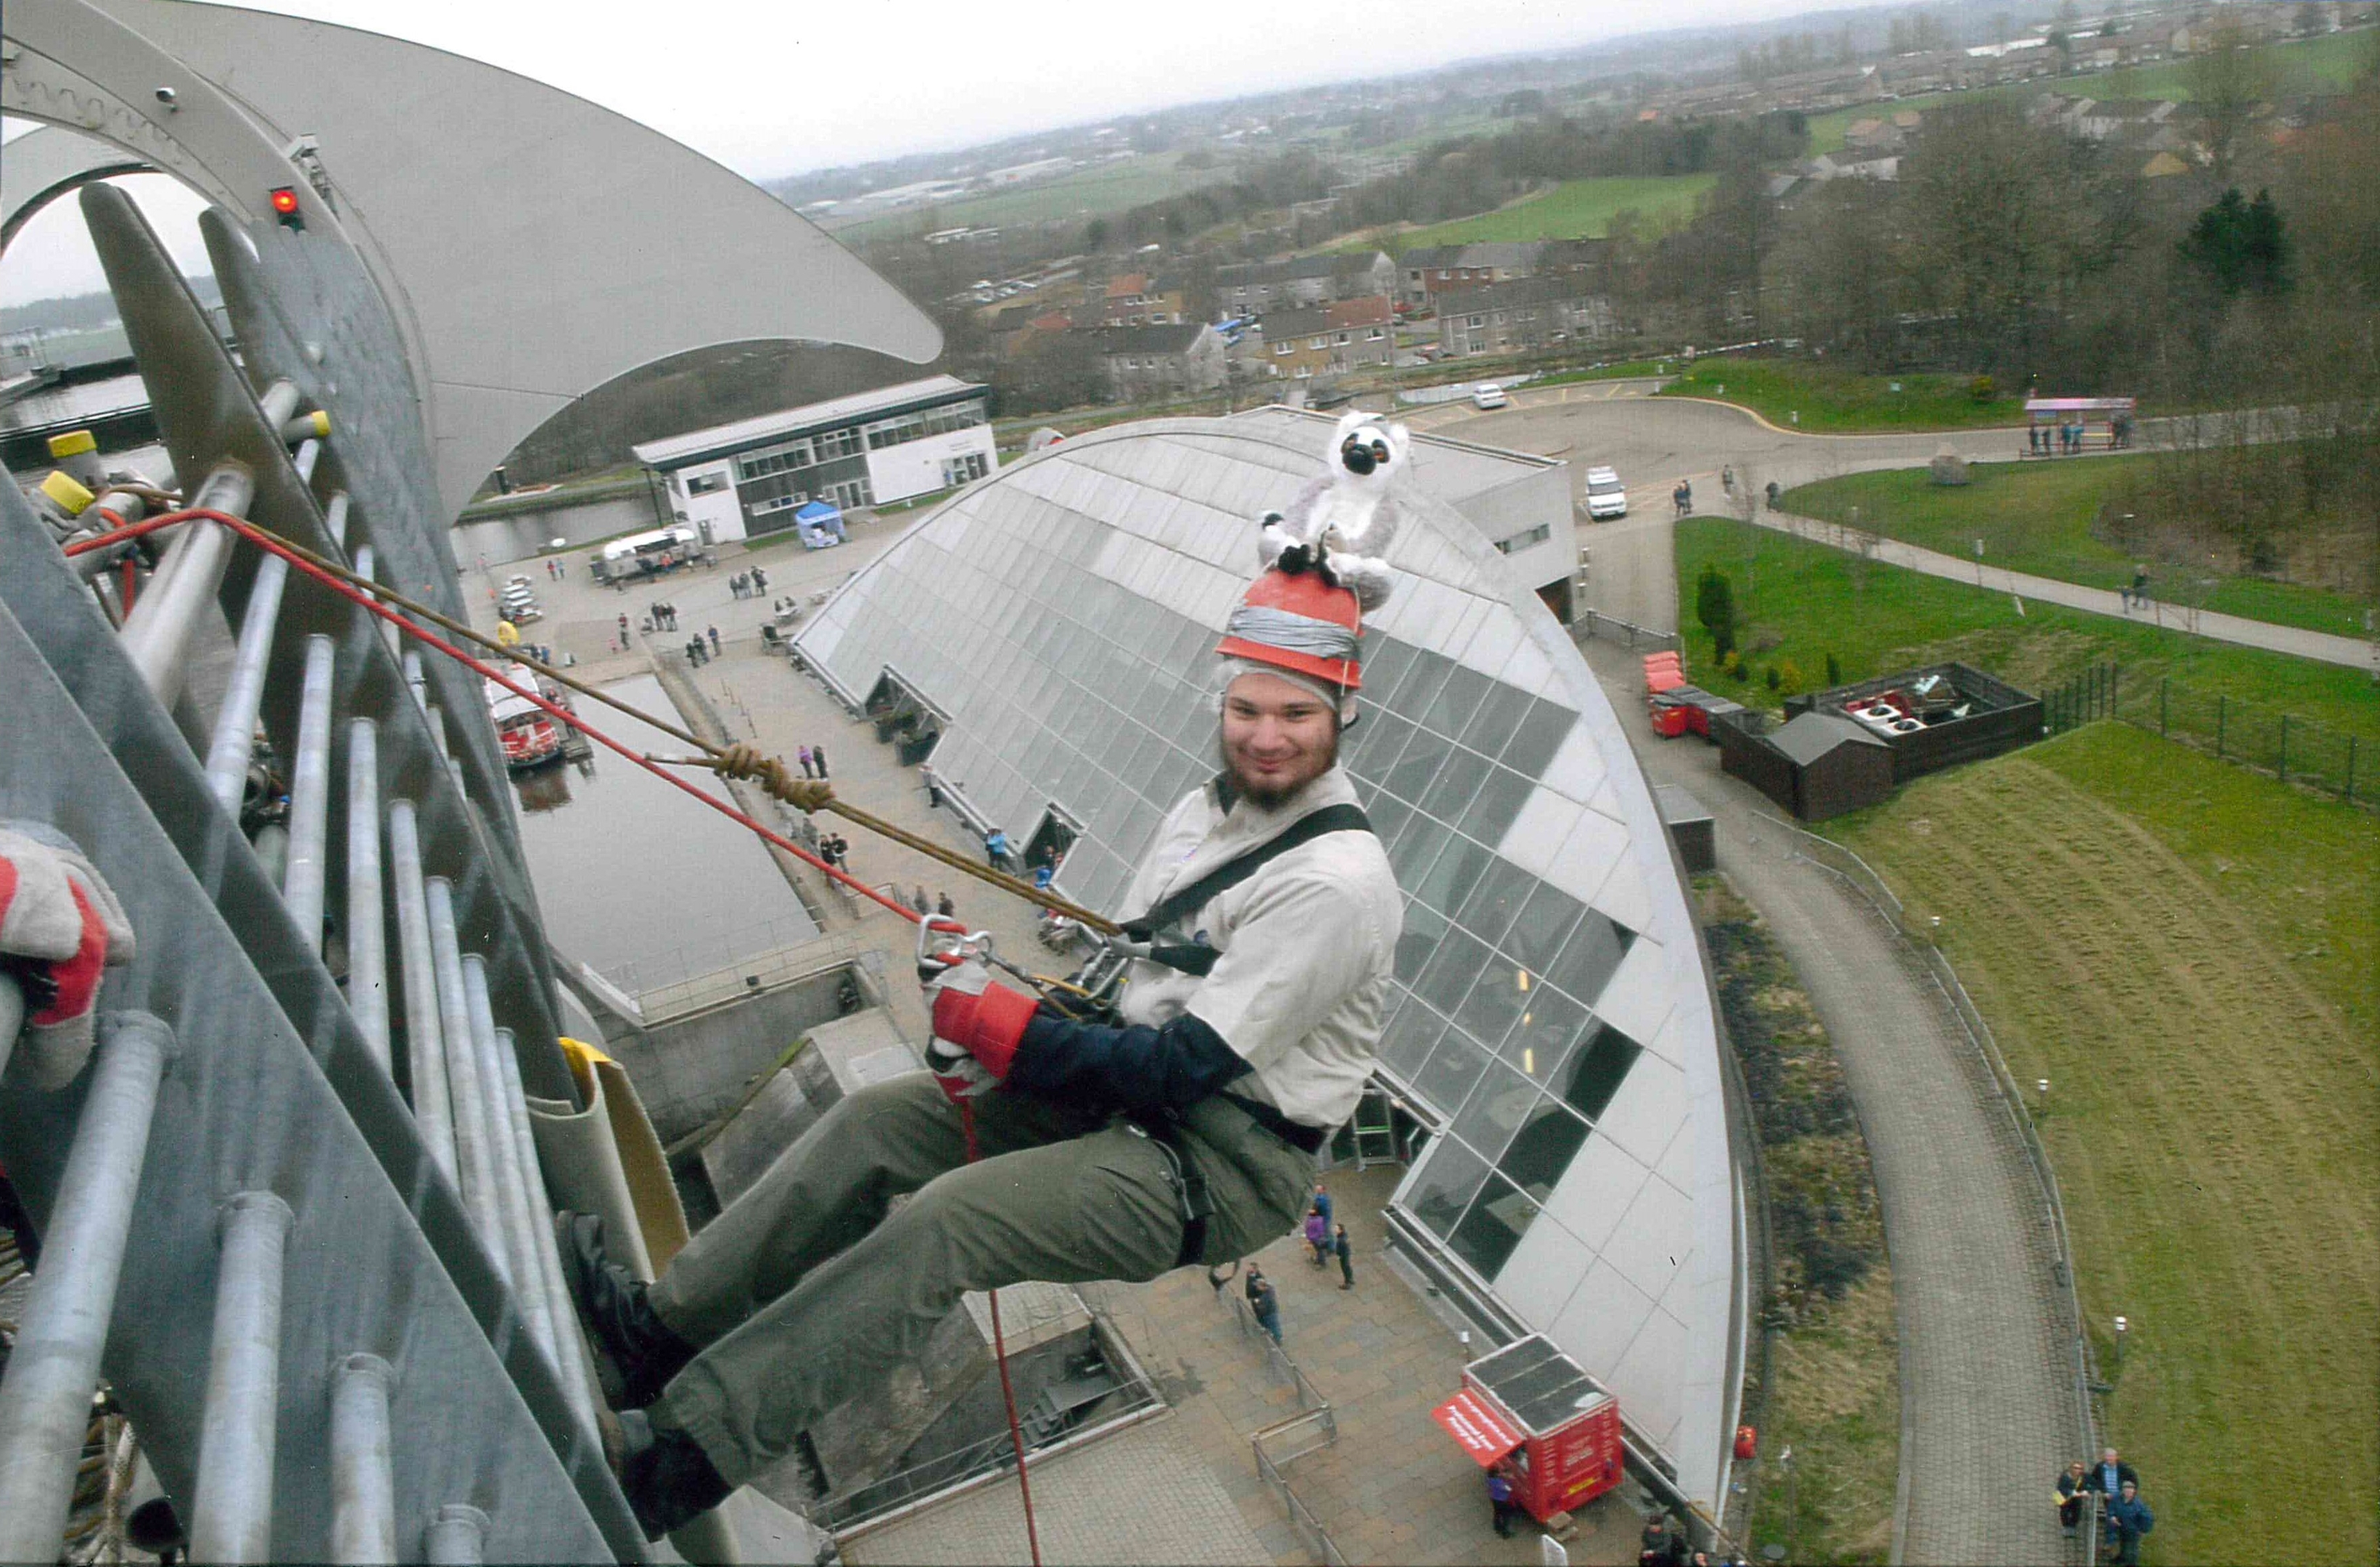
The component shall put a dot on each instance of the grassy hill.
(1098, 191)
(1574, 209)
(1821, 399)
(2184, 949)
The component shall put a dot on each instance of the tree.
(1095, 235)
(2227, 84)
(2241, 247)
(1715, 607)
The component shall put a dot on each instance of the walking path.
(2318, 644)
(1987, 1413)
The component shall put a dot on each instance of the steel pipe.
(459, 1536)
(363, 1489)
(45, 1397)
(520, 1250)
(157, 633)
(474, 1158)
(235, 732)
(335, 521)
(414, 677)
(309, 452)
(366, 927)
(570, 1356)
(310, 796)
(231, 1504)
(425, 1053)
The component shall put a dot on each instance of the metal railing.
(1611, 629)
(1312, 1428)
(2293, 749)
(1829, 855)
(1301, 1517)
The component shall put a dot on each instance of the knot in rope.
(743, 759)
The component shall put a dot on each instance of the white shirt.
(1308, 947)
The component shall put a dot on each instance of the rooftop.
(676, 451)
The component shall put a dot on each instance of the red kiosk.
(1530, 1399)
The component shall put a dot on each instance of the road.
(1987, 1410)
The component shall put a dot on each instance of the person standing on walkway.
(1500, 1498)
(944, 908)
(1682, 497)
(759, 580)
(803, 756)
(714, 641)
(919, 901)
(933, 789)
(2073, 1494)
(817, 755)
(2129, 1522)
(1266, 1301)
(1346, 1255)
(623, 633)
(1318, 1236)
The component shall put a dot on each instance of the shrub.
(1789, 676)
(1770, 674)
(1834, 669)
(1983, 389)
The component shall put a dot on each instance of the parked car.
(1606, 497)
(1487, 394)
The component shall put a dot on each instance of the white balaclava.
(1229, 670)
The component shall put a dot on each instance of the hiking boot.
(667, 1477)
(612, 1302)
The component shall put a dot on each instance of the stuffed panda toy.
(1340, 524)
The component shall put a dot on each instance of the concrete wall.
(1533, 500)
(718, 507)
(915, 468)
(692, 1070)
(524, 534)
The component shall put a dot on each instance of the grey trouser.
(803, 1292)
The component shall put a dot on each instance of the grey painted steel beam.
(45, 1397)
(310, 796)
(366, 924)
(232, 1512)
(474, 1159)
(503, 1164)
(425, 1049)
(459, 1536)
(363, 1486)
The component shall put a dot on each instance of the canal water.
(639, 881)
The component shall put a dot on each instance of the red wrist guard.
(989, 1026)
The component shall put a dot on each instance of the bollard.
(231, 1504)
(363, 1490)
(45, 1397)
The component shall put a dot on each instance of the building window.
(782, 458)
(1340, 339)
(1520, 541)
(1304, 372)
(851, 492)
(1373, 336)
(1318, 342)
(705, 484)
(962, 469)
(840, 443)
(1476, 320)
(1281, 348)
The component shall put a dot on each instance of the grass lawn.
(1836, 400)
(1797, 602)
(2037, 518)
(1101, 191)
(1574, 209)
(2185, 950)
(1635, 370)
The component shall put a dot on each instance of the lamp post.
(2122, 1327)
(2042, 1086)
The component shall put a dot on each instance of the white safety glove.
(60, 925)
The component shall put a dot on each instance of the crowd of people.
(2112, 1490)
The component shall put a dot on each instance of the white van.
(1487, 394)
(1605, 495)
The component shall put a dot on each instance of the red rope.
(272, 545)
(1000, 1358)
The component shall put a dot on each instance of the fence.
(1312, 1428)
(2292, 749)
(1829, 855)
(1611, 629)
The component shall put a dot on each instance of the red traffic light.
(285, 206)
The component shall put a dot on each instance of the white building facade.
(747, 479)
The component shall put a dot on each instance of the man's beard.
(1265, 796)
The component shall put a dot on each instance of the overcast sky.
(770, 88)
